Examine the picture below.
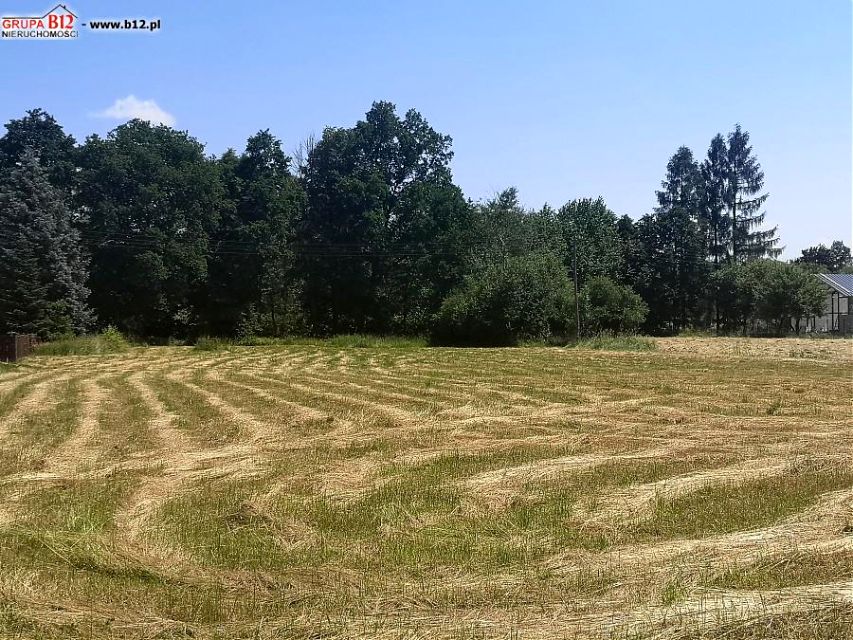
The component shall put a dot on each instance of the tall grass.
(359, 341)
(209, 343)
(618, 343)
(110, 340)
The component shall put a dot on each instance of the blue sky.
(561, 99)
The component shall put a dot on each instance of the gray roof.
(841, 282)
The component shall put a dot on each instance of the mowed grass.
(727, 508)
(787, 570)
(365, 488)
(31, 436)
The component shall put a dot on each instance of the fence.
(16, 345)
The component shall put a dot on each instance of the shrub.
(523, 298)
(611, 308)
(110, 340)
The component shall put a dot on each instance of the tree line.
(364, 230)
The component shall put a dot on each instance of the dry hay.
(414, 493)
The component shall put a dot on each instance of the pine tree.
(745, 182)
(42, 266)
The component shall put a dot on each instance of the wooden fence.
(16, 345)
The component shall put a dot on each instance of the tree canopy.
(366, 231)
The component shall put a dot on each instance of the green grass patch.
(415, 521)
(618, 343)
(76, 506)
(792, 570)
(195, 414)
(208, 343)
(123, 420)
(458, 464)
(43, 430)
(10, 398)
(727, 508)
(356, 340)
(110, 340)
(219, 525)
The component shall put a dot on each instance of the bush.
(110, 340)
(523, 298)
(611, 308)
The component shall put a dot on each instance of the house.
(838, 309)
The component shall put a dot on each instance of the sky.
(561, 99)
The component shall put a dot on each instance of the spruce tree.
(714, 220)
(42, 267)
(674, 241)
(744, 200)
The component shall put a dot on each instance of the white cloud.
(132, 107)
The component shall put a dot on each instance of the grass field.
(700, 490)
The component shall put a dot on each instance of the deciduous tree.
(153, 199)
(832, 259)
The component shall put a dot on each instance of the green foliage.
(501, 228)
(42, 266)
(611, 308)
(110, 340)
(252, 282)
(367, 234)
(832, 259)
(670, 268)
(743, 198)
(732, 201)
(39, 133)
(153, 199)
(591, 237)
(380, 225)
(364, 341)
(766, 296)
(707, 217)
(522, 298)
(714, 221)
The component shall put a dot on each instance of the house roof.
(841, 282)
